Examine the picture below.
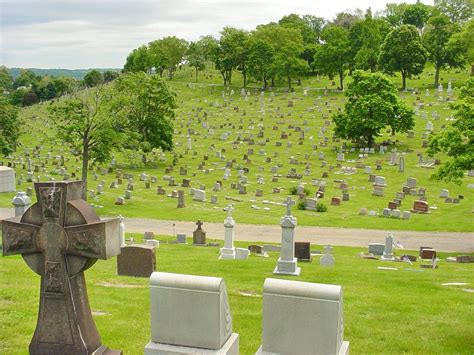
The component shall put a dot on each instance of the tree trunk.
(273, 82)
(85, 167)
(436, 81)
(370, 141)
(196, 74)
(341, 80)
(144, 161)
(404, 81)
(264, 83)
(289, 83)
(244, 74)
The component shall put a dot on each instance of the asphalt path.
(441, 241)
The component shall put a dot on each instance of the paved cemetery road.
(441, 241)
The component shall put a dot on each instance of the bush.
(293, 190)
(301, 205)
(321, 207)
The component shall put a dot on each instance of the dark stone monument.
(60, 237)
(136, 260)
(199, 235)
(303, 251)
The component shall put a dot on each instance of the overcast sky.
(99, 34)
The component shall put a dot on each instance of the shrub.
(321, 207)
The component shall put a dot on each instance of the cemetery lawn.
(403, 311)
(207, 111)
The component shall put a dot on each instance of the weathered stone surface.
(59, 238)
(137, 260)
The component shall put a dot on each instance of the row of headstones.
(191, 314)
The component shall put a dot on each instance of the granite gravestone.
(303, 251)
(287, 263)
(136, 260)
(59, 238)
(199, 235)
(302, 318)
(190, 315)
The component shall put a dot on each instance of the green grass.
(207, 95)
(384, 311)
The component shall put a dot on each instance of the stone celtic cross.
(60, 237)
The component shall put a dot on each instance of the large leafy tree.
(139, 60)
(457, 140)
(393, 13)
(157, 57)
(234, 43)
(287, 62)
(85, 124)
(416, 14)
(403, 51)
(436, 38)
(9, 127)
(315, 23)
(333, 56)
(457, 10)
(260, 62)
(146, 106)
(196, 57)
(365, 38)
(93, 78)
(462, 43)
(174, 49)
(26, 78)
(6, 80)
(372, 104)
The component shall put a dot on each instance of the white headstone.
(387, 254)
(7, 179)
(199, 195)
(302, 318)
(190, 315)
(287, 263)
(228, 251)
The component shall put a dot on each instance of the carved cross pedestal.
(60, 237)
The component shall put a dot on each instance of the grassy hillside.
(210, 110)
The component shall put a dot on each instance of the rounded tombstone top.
(302, 289)
(190, 282)
(21, 199)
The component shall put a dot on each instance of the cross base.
(287, 267)
(227, 253)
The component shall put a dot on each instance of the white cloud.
(88, 33)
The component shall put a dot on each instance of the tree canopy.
(9, 127)
(372, 104)
(403, 51)
(457, 140)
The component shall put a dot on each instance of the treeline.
(29, 88)
(401, 38)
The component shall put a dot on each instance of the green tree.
(435, 39)
(457, 140)
(287, 62)
(393, 13)
(260, 62)
(140, 60)
(157, 57)
(9, 127)
(372, 104)
(403, 51)
(457, 10)
(235, 46)
(365, 38)
(26, 78)
(64, 85)
(416, 14)
(333, 56)
(146, 104)
(93, 78)
(110, 75)
(29, 98)
(6, 80)
(16, 96)
(298, 23)
(168, 52)
(462, 43)
(85, 123)
(195, 57)
(315, 23)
